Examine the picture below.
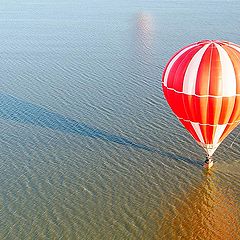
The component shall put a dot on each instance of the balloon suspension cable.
(235, 139)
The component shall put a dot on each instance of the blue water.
(89, 147)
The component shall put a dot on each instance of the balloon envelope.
(201, 83)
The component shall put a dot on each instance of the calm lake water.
(89, 147)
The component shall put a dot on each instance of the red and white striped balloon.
(201, 83)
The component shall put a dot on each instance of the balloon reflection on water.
(204, 212)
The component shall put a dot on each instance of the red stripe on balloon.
(215, 85)
(203, 76)
(190, 129)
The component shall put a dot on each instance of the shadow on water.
(12, 108)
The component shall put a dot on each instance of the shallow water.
(89, 147)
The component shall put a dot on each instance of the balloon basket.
(208, 162)
(208, 165)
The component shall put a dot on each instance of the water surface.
(89, 148)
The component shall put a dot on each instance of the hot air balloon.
(201, 84)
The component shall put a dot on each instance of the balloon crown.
(221, 42)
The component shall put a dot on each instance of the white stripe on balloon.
(173, 61)
(190, 77)
(197, 129)
(228, 74)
